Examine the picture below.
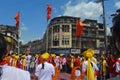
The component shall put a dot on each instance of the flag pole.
(47, 37)
(49, 9)
(17, 18)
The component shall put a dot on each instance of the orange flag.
(79, 28)
(17, 19)
(49, 9)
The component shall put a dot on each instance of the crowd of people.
(78, 66)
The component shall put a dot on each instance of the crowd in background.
(71, 64)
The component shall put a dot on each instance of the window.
(85, 32)
(101, 32)
(65, 40)
(56, 28)
(58, 20)
(56, 43)
(101, 26)
(55, 38)
(50, 31)
(65, 28)
(92, 32)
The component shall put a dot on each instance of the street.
(64, 76)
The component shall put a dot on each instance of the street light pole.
(104, 22)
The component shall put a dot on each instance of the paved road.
(64, 76)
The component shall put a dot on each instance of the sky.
(33, 21)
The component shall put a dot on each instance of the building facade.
(11, 35)
(60, 35)
(32, 47)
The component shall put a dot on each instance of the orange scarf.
(57, 72)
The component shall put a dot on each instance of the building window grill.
(56, 28)
(65, 40)
(65, 28)
(56, 43)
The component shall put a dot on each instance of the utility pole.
(104, 22)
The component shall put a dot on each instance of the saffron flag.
(17, 19)
(79, 28)
(49, 9)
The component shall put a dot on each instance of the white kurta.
(28, 61)
(46, 73)
(84, 67)
(12, 73)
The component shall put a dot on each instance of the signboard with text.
(75, 51)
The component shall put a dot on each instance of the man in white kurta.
(28, 57)
(84, 68)
(46, 73)
(12, 73)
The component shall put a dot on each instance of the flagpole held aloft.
(17, 19)
(49, 10)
